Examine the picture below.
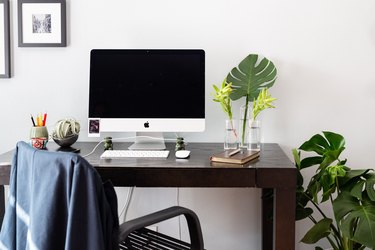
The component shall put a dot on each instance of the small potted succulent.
(66, 132)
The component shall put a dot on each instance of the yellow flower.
(221, 95)
(264, 101)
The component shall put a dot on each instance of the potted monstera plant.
(350, 191)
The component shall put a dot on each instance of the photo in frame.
(4, 39)
(41, 23)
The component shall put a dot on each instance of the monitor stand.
(148, 141)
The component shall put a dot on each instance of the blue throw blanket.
(57, 201)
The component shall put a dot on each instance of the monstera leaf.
(351, 192)
(329, 146)
(319, 231)
(357, 218)
(250, 77)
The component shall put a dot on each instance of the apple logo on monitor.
(146, 124)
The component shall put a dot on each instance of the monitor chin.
(152, 125)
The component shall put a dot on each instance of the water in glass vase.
(244, 126)
(254, 135)
(231, 134)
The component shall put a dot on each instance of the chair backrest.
(57, 201)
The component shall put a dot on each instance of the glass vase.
(243, 129)
(231, 134)
(254, 135)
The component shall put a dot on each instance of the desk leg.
(2, 204)
(281, 231)
(267, 222)
(284, 214)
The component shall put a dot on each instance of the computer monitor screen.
(147, 90)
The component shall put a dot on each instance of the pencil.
(32, 120)
(39, 120)
(234, 152)
(44, 119)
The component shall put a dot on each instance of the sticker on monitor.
(94, 127)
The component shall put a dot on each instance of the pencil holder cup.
(39, 137)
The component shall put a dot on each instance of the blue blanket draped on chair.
(57, 201)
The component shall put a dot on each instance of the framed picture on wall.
(41, 23)
(4, 40)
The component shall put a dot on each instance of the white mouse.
(182, 154)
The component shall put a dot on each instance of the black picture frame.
(4, 39)
(41, 23)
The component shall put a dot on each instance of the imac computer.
(148, 92)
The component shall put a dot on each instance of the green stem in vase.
(244, 121)
(233, 129)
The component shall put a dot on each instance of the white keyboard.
(116, 154)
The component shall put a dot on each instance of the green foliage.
(221, 96)
(352, 213)
(351, 193)
(319, 231)
(264, 101)
(248, 79)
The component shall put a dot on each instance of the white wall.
(324, 52)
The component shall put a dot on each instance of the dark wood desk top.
(272, 169)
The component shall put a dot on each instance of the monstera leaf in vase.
(248, 79)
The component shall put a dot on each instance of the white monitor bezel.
(167, 124)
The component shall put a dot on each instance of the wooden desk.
(272, 171)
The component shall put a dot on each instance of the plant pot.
(39, 137)
(67, 141)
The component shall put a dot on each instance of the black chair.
(58, 201)
(135, 235)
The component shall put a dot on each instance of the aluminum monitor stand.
(148, 141)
